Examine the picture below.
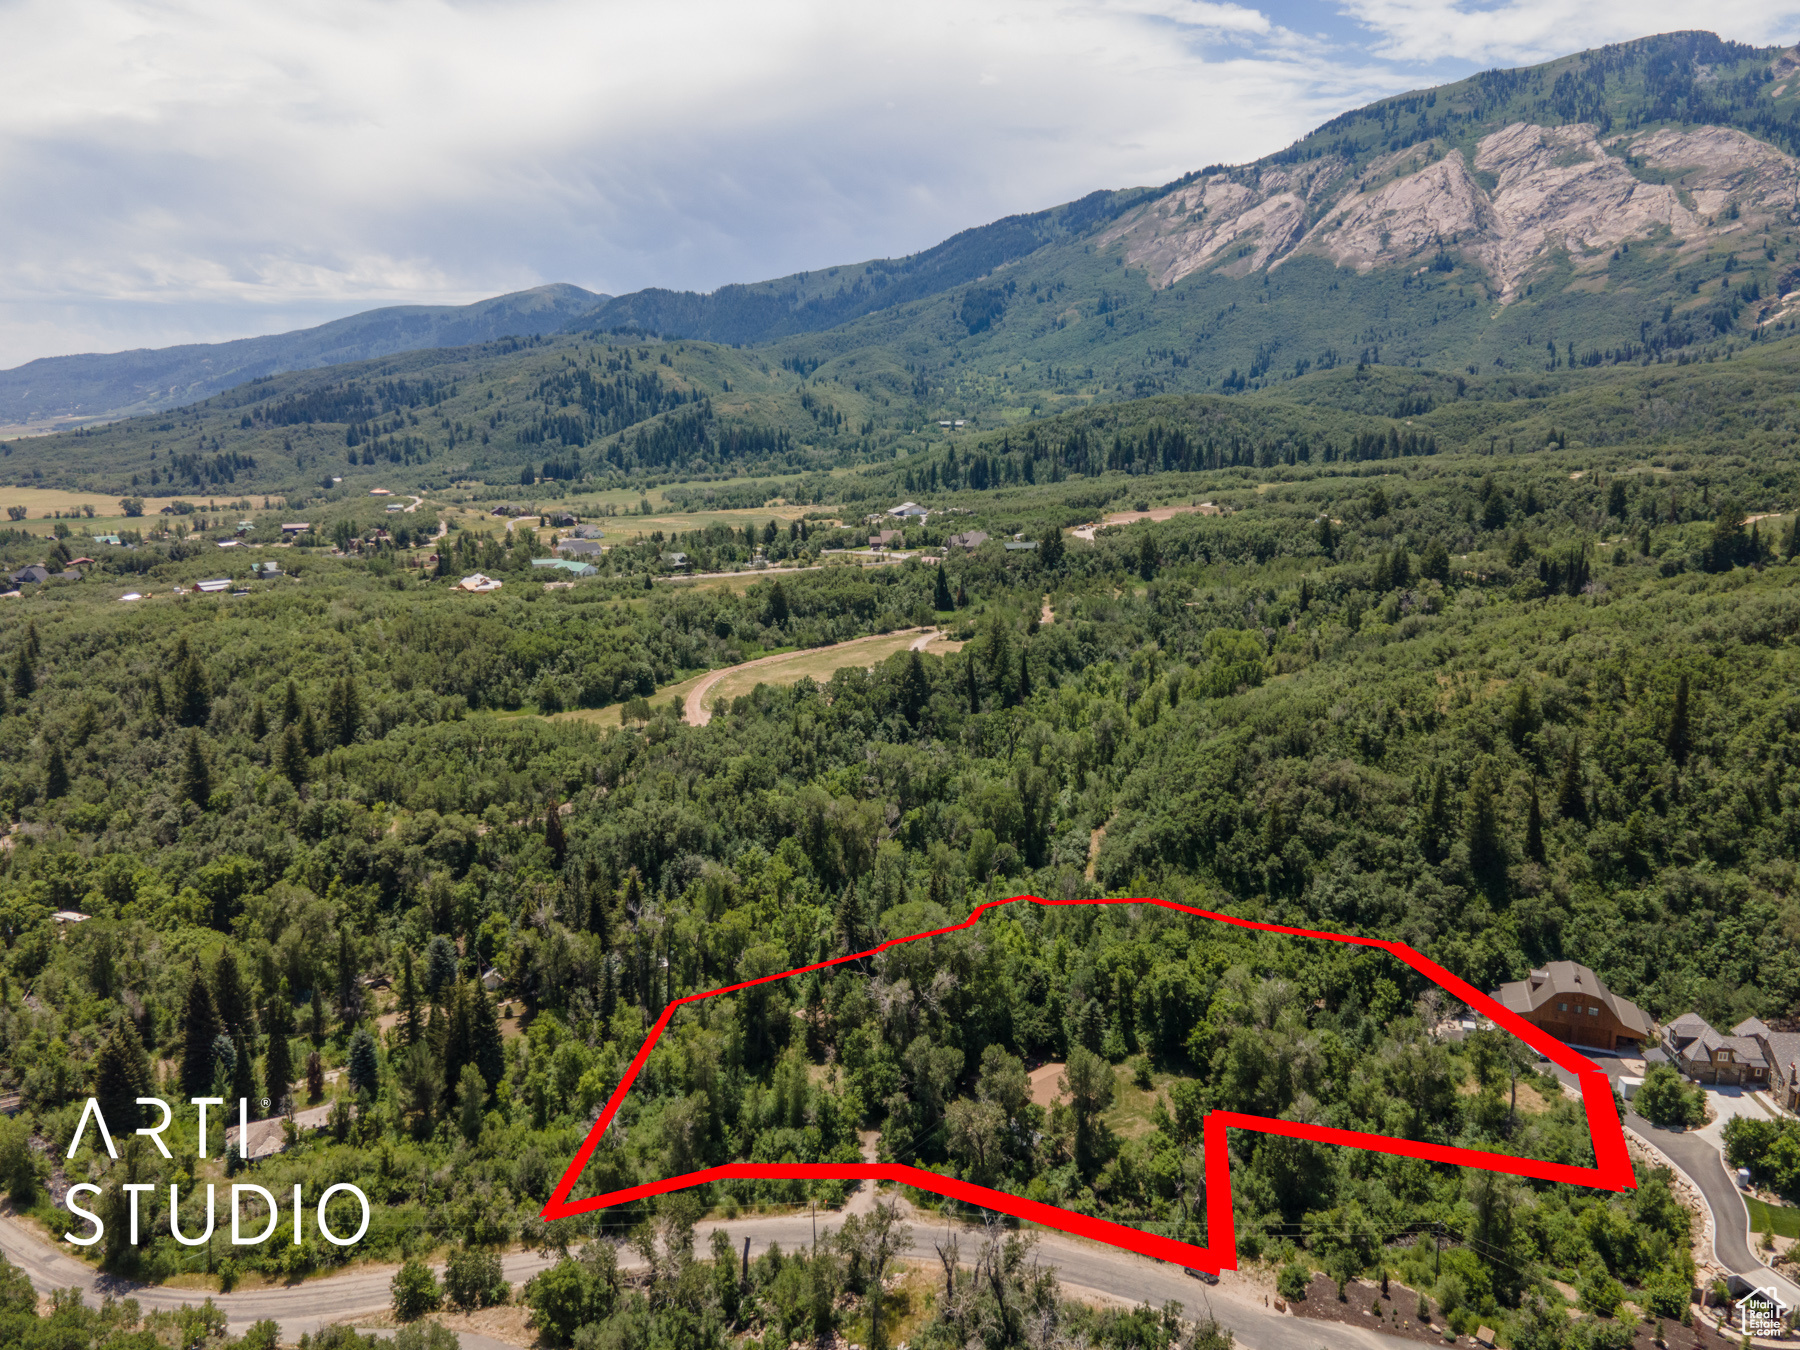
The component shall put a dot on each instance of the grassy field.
(819, 663)
(1785, 1220)
(43, 505)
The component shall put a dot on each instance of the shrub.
(1664, 1099)
(1292, 1281)
(425, 1336)
(473, 1279)
(415, 1291)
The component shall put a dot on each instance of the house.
(887, 538)
(81, 562)
(492, 979)
(675, 562)
(394, 508)
(968, 539)
(477, 584)
(296, 527)
(573, 566)
(264, 569)
(1781, 1052)
(1568, 1001)
(112, 539)
(579, 548)
(1706, 1056)
(231, 543)
(68, 916)
(1021, 546)
(586, 531)
(908, 511)
(380, 492)
(561, 519)
(213, 587)
(36, 572)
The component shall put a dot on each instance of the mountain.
(1630, 206)
(90, 387)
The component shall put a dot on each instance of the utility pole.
(744, 1279)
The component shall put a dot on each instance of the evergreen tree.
(1436, 825)
(1024, 694)
(349, 988)
(121, 1076)
(365, 1065)
(290, 758)
(973, 688)
(1534, 828)
(343, 712)
(318, 1016)
(915, 688)
(1050, 547)
(193, 692)
(1790, 540)
(941, 598)
(278, 1064)
(410, 1022)
(315, 1076)
(1571, 804)
(1522, 716)
(230, 998)
(1327, 537)
(159, 698)
(309, 734)
(24, 678)
(243, 1076)
(1481, 831)
(290, 706)
(32, 647)
(1147, 557)
(849, 921)
(776, 611)
(440, 966)
(962, 596)
(998, 658)
(1680, 736)
(224, 1066)
(199, 1029)
(1436, 565)
(456, 1047)
(56, 774)
(554, 838)
(196, 776)
(259, 721)
(471, 1097)
(486, 1050)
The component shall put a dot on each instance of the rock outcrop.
(1532, 193)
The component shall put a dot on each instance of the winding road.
(1084, 1269)
(1699, 1160)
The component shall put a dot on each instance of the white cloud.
(213, 168)
(1517, 32)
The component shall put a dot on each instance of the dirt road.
(697, 714)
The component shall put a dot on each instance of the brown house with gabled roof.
(1568, 1001)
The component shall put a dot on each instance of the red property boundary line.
(1612, 1170)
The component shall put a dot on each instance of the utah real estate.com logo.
(1760, 1313)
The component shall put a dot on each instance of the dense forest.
(1507, 707)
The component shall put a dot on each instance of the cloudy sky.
(193, 170)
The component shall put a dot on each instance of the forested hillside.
(100, 387)
(1624, 206)
(1516, 693)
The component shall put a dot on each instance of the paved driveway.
(1699, 1155)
